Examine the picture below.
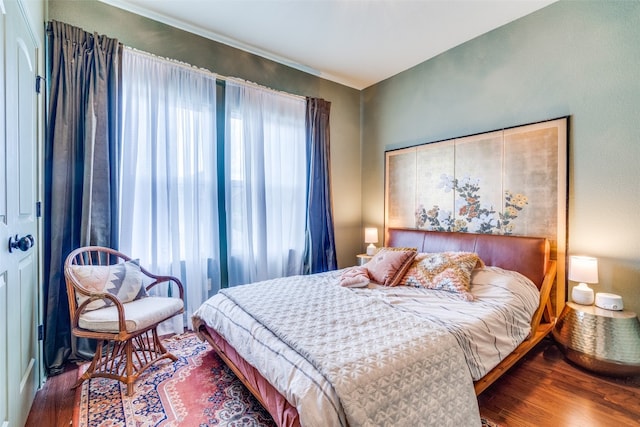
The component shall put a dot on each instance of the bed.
(423, 359)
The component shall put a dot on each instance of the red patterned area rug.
(198, 390)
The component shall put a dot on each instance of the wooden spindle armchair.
(108, 301)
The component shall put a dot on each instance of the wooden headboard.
(526, 255)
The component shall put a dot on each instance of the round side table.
(362, 259)
(603, 341)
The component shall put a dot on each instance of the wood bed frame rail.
(539, 330)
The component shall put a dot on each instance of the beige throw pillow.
(123, 280)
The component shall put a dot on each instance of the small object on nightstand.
(371, 237)
(609, 301)
(583, 269)
(582, 294)
(603, 341)
(363, 258)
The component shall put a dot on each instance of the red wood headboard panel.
(526, 255)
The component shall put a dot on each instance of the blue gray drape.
(81, 169)
(320, 250)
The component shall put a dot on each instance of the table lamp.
(371, 237)
(583, 269)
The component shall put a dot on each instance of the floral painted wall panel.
(433, 202)
(401, 185)
(511, 181)
(531, 153)
(478, 183)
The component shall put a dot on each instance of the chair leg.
(95, 363)
(161, 350)
(126, 360)
(129, 376)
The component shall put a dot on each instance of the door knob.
(23, 244)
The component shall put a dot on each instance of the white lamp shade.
(583, 269)
(371, 235)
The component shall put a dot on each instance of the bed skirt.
(282, 412)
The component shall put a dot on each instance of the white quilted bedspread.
(343, 358)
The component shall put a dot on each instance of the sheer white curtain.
(265, 182)
(169, 198)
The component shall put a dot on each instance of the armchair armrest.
(122, 326)
(162, 279)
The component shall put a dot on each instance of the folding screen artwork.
(511, 181)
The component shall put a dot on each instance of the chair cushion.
(139, 314)
(123, 280)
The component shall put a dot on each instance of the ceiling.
(353, 42)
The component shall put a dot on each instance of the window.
(266, 183)
(169, 205)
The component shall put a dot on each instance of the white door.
(18, 219)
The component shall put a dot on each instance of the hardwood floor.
(53, 406)
(541, 390)
(544, 389)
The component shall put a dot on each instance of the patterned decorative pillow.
(123, 280)
(446, 271)
(388, 265)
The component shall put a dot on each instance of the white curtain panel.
(265, 182)
(169, 197)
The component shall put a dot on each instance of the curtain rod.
(216, 75)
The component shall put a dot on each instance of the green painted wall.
(160, 39)
(575, 58)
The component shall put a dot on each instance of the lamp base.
(371, 249)
(582, 294)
